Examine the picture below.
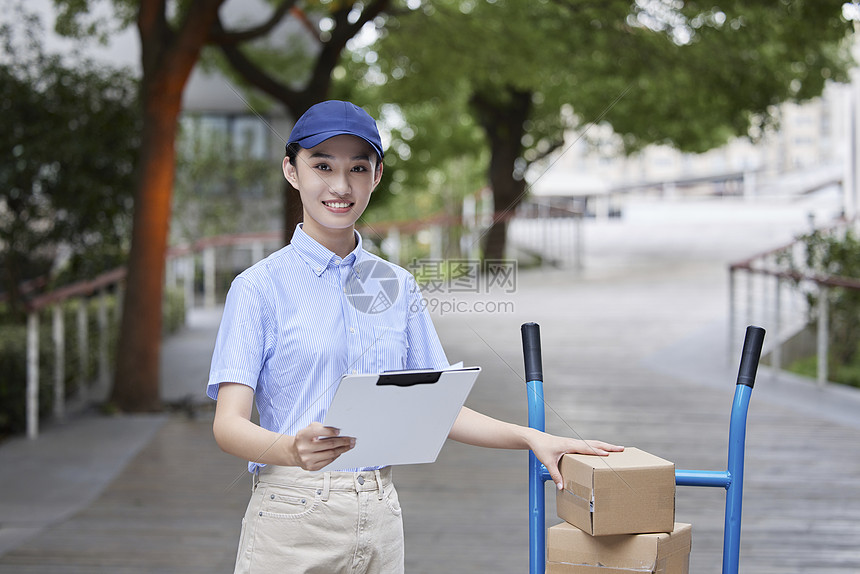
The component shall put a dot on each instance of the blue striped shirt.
(297, 321)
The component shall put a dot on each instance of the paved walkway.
(634, 352)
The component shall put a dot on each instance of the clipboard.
(397, 417)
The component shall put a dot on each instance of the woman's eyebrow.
(323, 155)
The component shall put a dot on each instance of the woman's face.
(335, 180)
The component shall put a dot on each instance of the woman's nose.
(339, 184)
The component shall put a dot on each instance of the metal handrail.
(757, 266)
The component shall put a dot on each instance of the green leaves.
(73, 131)
(697, 73)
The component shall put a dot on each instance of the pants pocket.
(288, 503)
(392, 501)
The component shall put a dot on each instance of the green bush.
(844, 374)
(13, 383)
(834, 255)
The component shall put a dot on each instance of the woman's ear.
(290, 173)
(377, 175)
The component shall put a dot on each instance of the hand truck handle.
(750, 355)
(531, 352)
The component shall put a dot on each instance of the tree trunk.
(168, 56)
(136, 383)
(503, 119)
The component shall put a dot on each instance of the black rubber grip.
(531, 351)
(750, 356)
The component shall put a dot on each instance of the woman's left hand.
(550, 448)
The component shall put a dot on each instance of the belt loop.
(255, 479)
(326, 486)
(379, 488)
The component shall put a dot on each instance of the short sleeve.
(424, 348)
(244, 338)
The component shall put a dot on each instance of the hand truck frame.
(731, 479)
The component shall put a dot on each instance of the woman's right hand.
(316, 446)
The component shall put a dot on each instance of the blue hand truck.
(730, 479)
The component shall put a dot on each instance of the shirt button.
(351, 330)
(354, 371)
(319, 269)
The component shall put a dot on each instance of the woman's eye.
(323, 167)
(359, 168)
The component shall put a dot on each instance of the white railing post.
(33, 374)
(119, 295)
(188, 281)
(59, 336)
(732, 311)
(83, 347)
(104, 327)
(170, 273)
(392, 247)
(257, 253)
(209, 277)
(751, 299)
(776, 354)
(579, 247)
(470, 223)
(543, 222)
(823, 334)
(436, 243)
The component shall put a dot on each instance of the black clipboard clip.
(408, 379)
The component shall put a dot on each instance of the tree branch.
(154, 32)
(194, 30)
(342, 32)
(252, 73)
(221, 37)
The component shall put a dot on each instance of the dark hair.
(292, 151)
(294, 148)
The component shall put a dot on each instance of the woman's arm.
(473, 428)
(237, 435)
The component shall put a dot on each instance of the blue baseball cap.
(334, 118)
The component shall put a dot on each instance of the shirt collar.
(319, 257)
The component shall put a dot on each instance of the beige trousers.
(333, 522)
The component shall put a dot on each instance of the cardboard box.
(572, 551)
(629, 492)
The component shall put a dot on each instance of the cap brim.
(317, 139)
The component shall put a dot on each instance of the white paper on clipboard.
(397, 417)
